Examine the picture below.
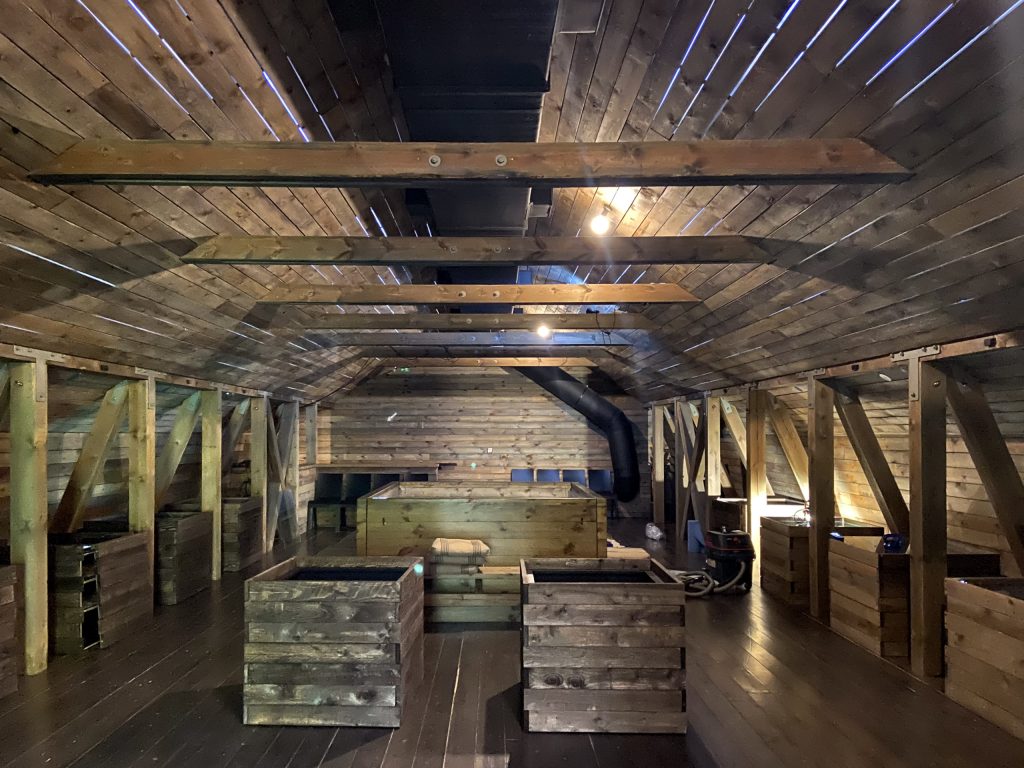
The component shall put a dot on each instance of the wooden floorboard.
(766, 687)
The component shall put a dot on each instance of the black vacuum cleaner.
(729, 565)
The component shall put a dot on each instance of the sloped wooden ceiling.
(858, 271)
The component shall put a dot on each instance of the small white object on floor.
(653, 532)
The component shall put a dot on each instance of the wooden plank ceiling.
(853, 271)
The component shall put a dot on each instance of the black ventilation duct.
(606, 417)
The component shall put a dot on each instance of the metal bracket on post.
(914, 356)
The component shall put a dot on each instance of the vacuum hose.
(701, 584)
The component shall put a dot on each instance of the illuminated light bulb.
(543, 331)
(600, 224)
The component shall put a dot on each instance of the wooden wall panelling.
(212, 478)
(69, 514)
(186, 415)
(821, 469)
(232, 432)
(792, 445)
(927, 427)
(28, 483)
(142, 464)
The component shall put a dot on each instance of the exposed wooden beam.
(792, 445)
(734, 422)
(548, 293)
(186, 416)
(312, 432)
(281, 441)
(927, 517)
(657, 422)
(259, 410)
(422, 164)
(486, 362)
(211, 471)
(142, 463)
(992, 460)
(757, 464)
(496, 251)
(681, 479)
(872, 460)
(483, 339)
(423, 321)
(28, 504)
(232, 432)
(822, 491)
(87, 470)
(713, 442)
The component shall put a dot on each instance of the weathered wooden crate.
(100, 589)
(333, 641)
(241, 527)
(515, 520)
(184, 549)
(870, 596)
(785, 556)
(8, 630)
(985, 651)
(603, 646)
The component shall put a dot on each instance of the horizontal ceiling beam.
(487, 362)
(548, 293)
(483, 339)
(495, 251)
(422, 321)
(420, 164)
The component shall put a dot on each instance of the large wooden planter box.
(100, 589)
(785, 556)
(241, 527)
(333, 641)
(870, 592)
(985, 651)
(8, 631)
(184, 548)
(603, 646)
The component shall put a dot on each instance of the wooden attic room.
(590, 383)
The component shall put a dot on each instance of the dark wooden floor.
(766, 688)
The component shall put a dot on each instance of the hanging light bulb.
(543, 331)
(600, 224)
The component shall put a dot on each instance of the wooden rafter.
(232, 432)
(497, 251)
(421, 164)
(873, 462)
(552, 293)
(486, 362)
(87, 470)
(186, 416)
(792, 446)
(992, 460)
(422, 321)
(484, 339)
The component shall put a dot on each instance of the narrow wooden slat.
(575, 321)
(640, 293)
(497, 251)
(927, 517)
(757, 467)
(353, 164)
(91, 461)
(872, 460)
(28, 503)
(821, 473)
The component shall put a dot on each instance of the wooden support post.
(821, 472)
(212, 477)
(792, 445)
(757, 465)
(185, 417)
(682, 486)
(992, 460)
(258, 451)
(312, 432)
(28, 504)
(928, 387)
(713, 449)
(872, 460)
(92, 459)
(658, 464)
(233, 431)
(142, 463)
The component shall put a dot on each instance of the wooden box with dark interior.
(333, 641)
(184, 548)
(985, 649)
(241, 544)
(100, 589)
(603, 646)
